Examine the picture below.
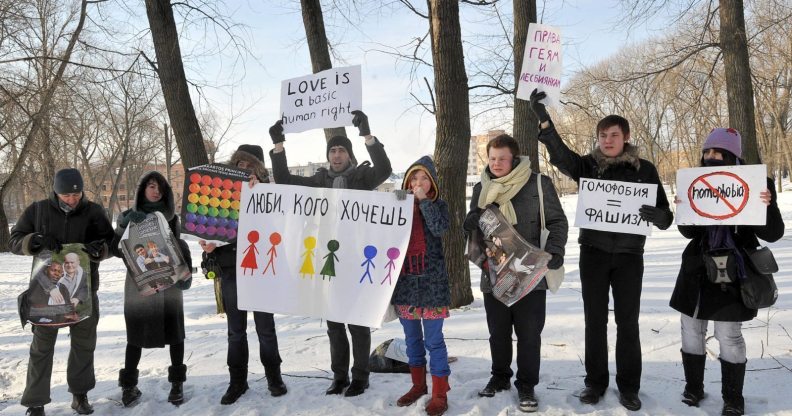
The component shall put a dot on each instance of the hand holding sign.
(722, 195)
(537, 107)
(360, 120)
(276, 132)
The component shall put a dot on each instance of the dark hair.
(504, 140)
(729, 159)
(614, 120)
(137, 246)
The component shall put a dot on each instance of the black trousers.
(339, 350)
(238, 354)
(527, 318)
(621, 273)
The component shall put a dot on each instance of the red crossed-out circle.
(734, 210)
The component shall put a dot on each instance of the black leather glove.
(276, 132)
(537, 107)
(471, 220)
(556, 262)
(94, 248)
(45, 242)
(401, 194)
(360, 120)
(657, 216)
(136, 216)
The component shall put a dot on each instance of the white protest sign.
(613, 206)
(328, 253)
(723, 195)
(541, 67)
(320, 100)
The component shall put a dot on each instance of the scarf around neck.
(502, 190)
(340, 178)
(720, 237)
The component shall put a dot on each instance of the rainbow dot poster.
(211, 199)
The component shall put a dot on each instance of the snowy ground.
(304, 348)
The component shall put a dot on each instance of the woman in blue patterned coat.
(422, 296)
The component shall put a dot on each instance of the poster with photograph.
(152, 255)
(210, 205)
(60, 287)
(514, 266)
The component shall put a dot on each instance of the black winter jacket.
(85, 223)
(526, 206)
(694, 295)
(155, 320)
(365, 176)
(626, 168)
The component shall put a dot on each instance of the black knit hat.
(67, 181)
(343, 142)
(253, 150)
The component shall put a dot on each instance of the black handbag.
(758, 289)
(721, 265)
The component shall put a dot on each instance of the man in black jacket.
(609, 260)
(344, 173)
(222, 260)
(65, 217)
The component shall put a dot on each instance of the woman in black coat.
(158, 319)
(700, 300)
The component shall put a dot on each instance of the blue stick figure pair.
(370, 252)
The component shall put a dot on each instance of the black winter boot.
(694, 378)
(128, 380)
(732, 378)
(177, 375)
(81, 405)
(275, 383)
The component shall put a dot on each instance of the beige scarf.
(502, 190)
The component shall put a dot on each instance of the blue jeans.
(431, 339)
(728, 334)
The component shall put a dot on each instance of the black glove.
(136, 216)
(657, 216)
(471, 220)
(361, 122)
(94, 248)
(537, 107)
(276, 132)
(556, 262)
(45, 242)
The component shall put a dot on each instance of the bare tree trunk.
(452, 137)
(318, 47)
(36, 126)
(526, 126)
(174, 83)
(739, 90)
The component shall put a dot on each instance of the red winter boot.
(418, 388)
(439, 403)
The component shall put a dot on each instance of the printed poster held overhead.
(321, 100)
(723, 195)
(152, 255)
(210, 202)
(60, 288)
(328, 253)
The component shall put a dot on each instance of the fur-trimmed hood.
(259, 169)
(629, 157)
(165, 190)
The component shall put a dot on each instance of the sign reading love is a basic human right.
(321, 100)
(722, 195)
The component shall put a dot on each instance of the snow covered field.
(305, 351)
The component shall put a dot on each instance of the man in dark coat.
(222, 260)
(609, 260)
(67, 216)
(344, 173)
